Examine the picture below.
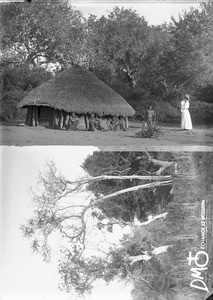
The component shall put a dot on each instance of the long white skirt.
(186, 122)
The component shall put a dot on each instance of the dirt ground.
(201, 137)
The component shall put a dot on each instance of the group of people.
(71, 122)
(96, 123)
(112, 123)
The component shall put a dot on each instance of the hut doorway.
(45, 116)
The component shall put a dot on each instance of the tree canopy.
(118, 42)
(145, 64)
(41, 32)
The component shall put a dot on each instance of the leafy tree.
(41, 32)
(16, 83)
(190, 67)
(117, 43)
(204, 43)
(154, 65)
(35, 36)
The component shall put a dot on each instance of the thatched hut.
(74, 90)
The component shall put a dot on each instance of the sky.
(154, 13)
(24, 275)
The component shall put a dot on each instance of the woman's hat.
(187, 97)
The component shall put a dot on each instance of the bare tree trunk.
(135, 188)
(162, 164)
(152, 218)
(146, 256)
(120, 177)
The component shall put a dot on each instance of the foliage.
(8, 105)
(149, 132)
(117, 43)
(154, 76)
(146, 64)
(22, 78)
(79, 273)
(204, 162)
(54, 35)
(16, 84)
(126, 206)
(164, 111)
(205, 94)
(201, 112)
(34, 35)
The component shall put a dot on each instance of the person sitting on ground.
(74, 121)
(115, 123)
(67, 122)
(109, 124)
(93, 124)
(121, 123)
(100, 124)
(151, 115)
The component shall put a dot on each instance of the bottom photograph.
(80, 223)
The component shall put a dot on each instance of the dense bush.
(23, 78)
(16, 84)
(8, 105)
(149, 132)
(201, 112)
(164, 111)
(205, 94)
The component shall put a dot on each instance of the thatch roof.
(78, 90)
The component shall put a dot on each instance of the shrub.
(201, 112)
(8, 105)
(149, 132)
(16, 83)
(164, 111)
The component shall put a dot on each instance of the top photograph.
(112, 74)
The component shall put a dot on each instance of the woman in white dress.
(186, 122)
